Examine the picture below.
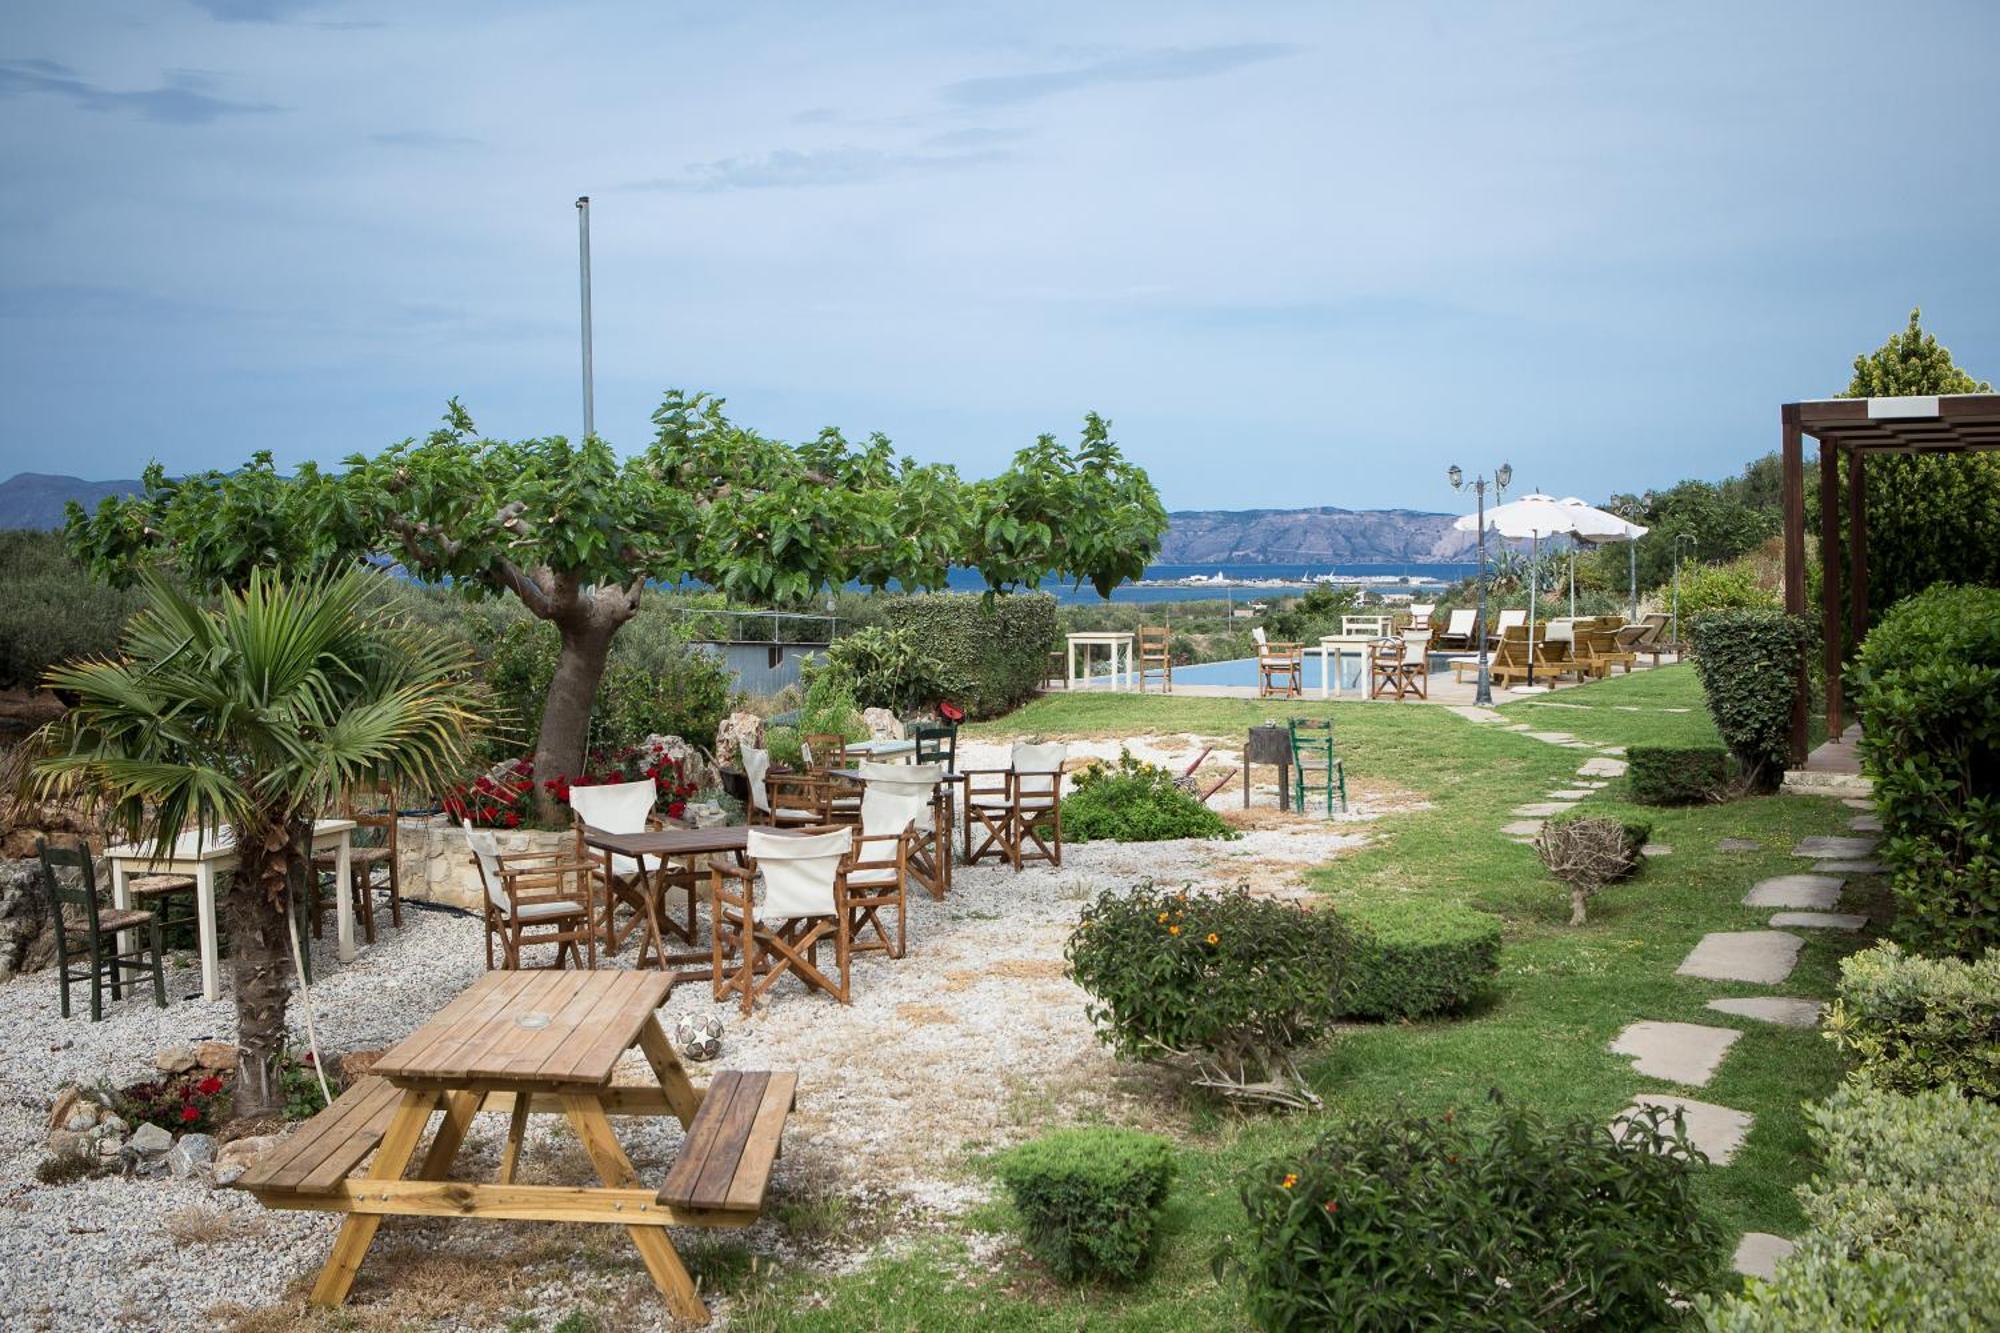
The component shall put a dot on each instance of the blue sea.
(1432, 576)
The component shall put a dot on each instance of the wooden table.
(203, 856)
(524, 1042)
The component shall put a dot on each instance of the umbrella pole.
(1572, 580)
(1534, 577)
(1632, 558)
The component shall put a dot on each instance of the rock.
(1763, 956)
(706, 814)
(882, 724)
(83, 1117)
(1814, 892)
(1759, 1253)
(1847, 867)
(26, 942)
(1824, 848)
(232, 1159)
(736, 731)
(1540, 809)
(1656, 849)
(112, 1124)
(190, 1154)
(693, 764)
(150, 1140)
(1522, 828)
(65, 1102)
(63, 1141)
(1738, 845)
(174, 1060)
(228, 1175)
(1602, 767)
(219, 1056)
(354, 1064)
(1865, 824)
(1820, 920)
(1717, 1130)
(110, 1146)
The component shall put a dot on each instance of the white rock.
(1759, 1253)
(1784, 1010)
(82, 1118)
(1820, 920)
(1717, 1130)
(150, 1139)
(175, 1060)
(882, 724)
(190, 1153)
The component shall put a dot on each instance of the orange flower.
(1173, 930)
(1214, 938)
(1289, 1181)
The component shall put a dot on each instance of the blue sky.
(1298, 253)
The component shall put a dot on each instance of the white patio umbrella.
(1598, 526)
(1534, 517)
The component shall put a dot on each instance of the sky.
(1299, 254)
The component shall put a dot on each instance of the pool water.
(1243, 671)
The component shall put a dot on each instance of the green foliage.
(1926, 686)
(1723, 588)
(71, 1165)
(1090, 1199)
(51, 610)
(996, 648)
(1418, 957)
(1749, 663)
(1513, 1223)
(894, 668)
(298, 1084)
(1133, 801)
(1677, 774)
(1720, 523)
(830, 707)
(1306, 618)
(1904, 1222)
(1916, 1023)
(1229, 982)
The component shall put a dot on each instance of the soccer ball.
(699, 1038)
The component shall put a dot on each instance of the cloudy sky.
(1298, 253)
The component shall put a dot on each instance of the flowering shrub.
(194, 1102)
(1225, 982)
(505, 797)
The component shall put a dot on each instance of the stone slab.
(1522, 828)
(1834, 848)
(1820, 920)
(1784, 1010)
(1617, 751)
(1656, 849)
(1677, 1052)
(1551, 737)
(1759, 1253)
(1541, 809)
(1813, 892)
(1474, 713)
(1569, 794)
(1865, 824)
(1738, 845)
(1847, 867)
(1763, 956)
(1594, 786)
(1857, 802)
(1717, 1130)
(1603, 766)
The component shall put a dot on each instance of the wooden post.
(1829, 569)
(1793, 491)
(1857, 548)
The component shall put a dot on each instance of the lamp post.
(1679, 537)
(1501, 477)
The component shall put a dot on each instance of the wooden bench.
(320, 1153)
(725, 1162)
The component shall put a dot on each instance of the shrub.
(1926, 688)
(1133, 801)
(1749, 664)
(1587, 852)
(998, 652)
(1224, 982)
(1090, 1199)
(894, 668)
(1903, 1221)
(1677, 774)
(1516, 1222)
(51, 610)
(1415, 959)
(504, 797)
(1919, 1023)
(194, 1102)
(1731, 587)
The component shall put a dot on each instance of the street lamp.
(1502, 476)
(1679, 537)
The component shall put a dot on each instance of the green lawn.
(1563, 992)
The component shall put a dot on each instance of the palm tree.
(259, 711)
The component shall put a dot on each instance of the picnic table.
(534, 1042)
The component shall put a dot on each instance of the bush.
(51, 610)
(1224, 982)
(1415, 958)
(1090, 1199)
(998, 653)
(1677, 774)
(1587, 852)
(1731, 587)
(1920, 1023)
(1134, 801)
(1904, 1221)
(1926, 686)
(1749, 663)
(894, 669)
(1516, 1223)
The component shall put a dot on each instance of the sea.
(1426, 576)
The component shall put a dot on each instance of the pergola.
(1857, 427)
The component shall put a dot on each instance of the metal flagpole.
(583, 277)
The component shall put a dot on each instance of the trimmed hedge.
(1677, 774)
(1920, 1023)
(1418, 959)
(1926, 687)
(1090, 1199)
(1749, 663)
(998, 653)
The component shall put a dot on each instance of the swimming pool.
(1243, 671)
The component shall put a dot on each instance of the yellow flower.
(1214, 938)
(1162, 918)
(1289, 1180)
(1173, 930)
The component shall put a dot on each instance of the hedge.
(1417, 959)
(999, 652)
(1749, 663)
(1677, 774)
(1090, 1199)
(51, 610)
(1919, 1023)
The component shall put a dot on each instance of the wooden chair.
(1375, 625)
(1318, 770)
(627, 807)
(1600, 652)
(172, 898)
(1280, 667)
(372, 848)
(912, 798)
(1012, 805)
(824, 750)
(1156, 657)
(802, 907)
(102, 964)
(937, 743)
(1460, 631)
(1400, 665)
(1510, 656)
(534, 898)
(877, 875)
(790, 800)
(1421, 613)
(1056, 671)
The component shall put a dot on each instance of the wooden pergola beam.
(1793, 489)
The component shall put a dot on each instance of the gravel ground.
(974, 1041)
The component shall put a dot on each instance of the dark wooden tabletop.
(670, 842)
(854, 775)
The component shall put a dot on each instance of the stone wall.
(436, 865)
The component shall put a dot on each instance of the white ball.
(699, 1037)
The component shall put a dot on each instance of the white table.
(1116, 642)
(205, 856)
(881, 749)
(1332, 648)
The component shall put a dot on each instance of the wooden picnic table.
(534, 1042)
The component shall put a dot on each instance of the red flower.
(1332, 1206)
(189, 1115)
(513, 819)
(209, 1086)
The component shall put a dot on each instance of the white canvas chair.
(802, 906)
(1377, 626)
(1509, 619)
(1421, 613)
(533, 898)
(919, 789)
(1280, 666)
(792, 800)
(1027, 798)
(1458, 629)
(627, 807)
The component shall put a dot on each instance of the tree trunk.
(559, 749)
(1577, 898)
(260, 949)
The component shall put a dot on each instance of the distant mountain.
(1311, 537)
(35, 499)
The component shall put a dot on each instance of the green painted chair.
(100, 962)
(1317, 772)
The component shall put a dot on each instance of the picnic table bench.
(528, 1043)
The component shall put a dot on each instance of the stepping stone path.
(1541, 809)
(1857, 803)
(1847, 867)
(1656, 849)
(1677, 1052)
(1820, 920)
(1816, 892)
(1759, 1253)
(1784, 1010)
(1865, 824)
(1763, 956)
(1569, 794)
(1522, 828)
(1834, 849)
(1603, 766)
(1474, 713)
(1738, 845)
(1551, 737)
(1615, 750)
(1716, 1130)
